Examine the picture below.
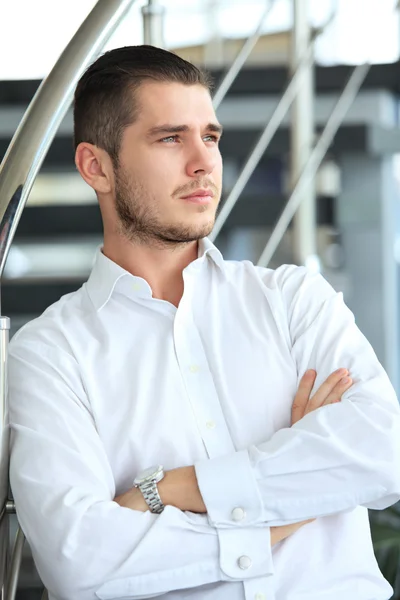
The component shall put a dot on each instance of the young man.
(171, 356)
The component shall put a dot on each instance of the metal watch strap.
(152, 497)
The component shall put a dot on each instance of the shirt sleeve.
(84, 544)
(333, 459)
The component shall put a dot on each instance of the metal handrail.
(275, 121)
(8, 509)
(45, 113)
(240, 59)
(262, 143)
(15, 565)
(309, 171)
(247, 49)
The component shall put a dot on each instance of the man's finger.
(303, 394)
(283, 531)
(326, 388)
(340, 388)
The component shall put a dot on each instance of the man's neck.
(161, 267)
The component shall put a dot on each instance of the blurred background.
(306, 180)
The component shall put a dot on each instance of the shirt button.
(260, 597)
(211, 424)
(244, 562)
(238, 514)
(194, 368)
(136, 286)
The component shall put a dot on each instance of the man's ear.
(95, 166)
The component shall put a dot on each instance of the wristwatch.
(147, 481)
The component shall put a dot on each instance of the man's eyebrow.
(168, 129)
(216, 127)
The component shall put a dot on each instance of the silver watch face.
(151, 474)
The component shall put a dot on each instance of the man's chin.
(182, 235)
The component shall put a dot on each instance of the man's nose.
(202, 161)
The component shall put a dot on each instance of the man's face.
(169, 153)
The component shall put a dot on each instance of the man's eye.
(170, 138)
(211, 138)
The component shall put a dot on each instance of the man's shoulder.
(53, 326)
(287, 283)
(272, 278)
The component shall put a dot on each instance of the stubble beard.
(140, 222)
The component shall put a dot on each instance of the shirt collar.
(106, 273)
(207, 248)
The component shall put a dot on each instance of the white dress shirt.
(109, 381)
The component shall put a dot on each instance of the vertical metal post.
(4, 442)
(302, 138)
(15, 566)
(153, 23)
(214, 47)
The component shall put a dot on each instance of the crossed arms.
(86, 546)
(180, 487)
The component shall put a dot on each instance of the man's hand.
(180, 488)
(331, 391)
(283, 531)
(132, 499)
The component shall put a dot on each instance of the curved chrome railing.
(45, 113)
(18, 171)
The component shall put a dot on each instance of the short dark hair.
(104, 103)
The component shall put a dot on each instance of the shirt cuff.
(230, 491)
(245, 553)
